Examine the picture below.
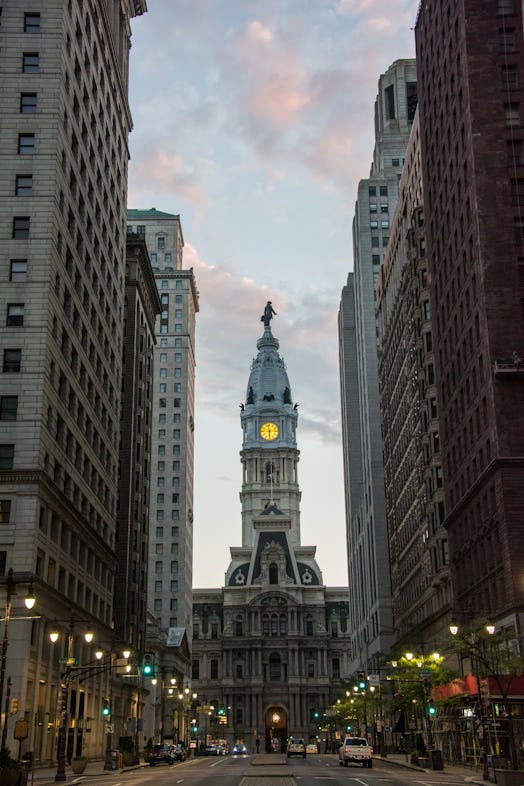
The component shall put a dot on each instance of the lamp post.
(69, 662)
(29, 601)
(474, 642)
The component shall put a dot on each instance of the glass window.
(164, 284)
(26, 144)
(178, 298)
(167, 257)
(15, 314)
(18, 270)
(161, 243)
(163, 342)
(178, 328)
(7, 454)
(179, 284)
(8, 407)
(24, 185)
(162, 387)
(5, 511)
(30, 62)
(21, 227)
(28, 103)
(177, 387)
(141, 229)
(31, 22)
(12, 361)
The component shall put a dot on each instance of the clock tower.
(270, 648)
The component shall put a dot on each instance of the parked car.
(355, 749)
(296, 747)
(312, 747)
(239, 749)
(178, 753)
(161, 754)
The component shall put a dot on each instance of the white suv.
(296, 747)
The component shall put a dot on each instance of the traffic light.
(432, 710)
(106, 708)
(315, 715)
(348, 727)
(14, 706)
(221, 711)
(361, 680)
(148, 668)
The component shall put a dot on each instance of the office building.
(170, 582)
(63, 176)
(418, 548)
(371, 620)
(471, 93)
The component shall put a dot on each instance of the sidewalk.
(470, 774)
(46, 775)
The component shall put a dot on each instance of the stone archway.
(275, 721)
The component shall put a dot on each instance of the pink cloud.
(158, 171)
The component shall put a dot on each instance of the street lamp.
(29, 600)
(63, 706)
(475, 644)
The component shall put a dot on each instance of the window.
(179, 284)
(372, 190)
(389, 98)
(510, 77)
(167, 257)
(26, 144)
(8, 407)
(335, 668)
(375, 242)
(195, 668)
(141, 229)
(31, 22)
(15, 314)
(383, 190)
(239, 627)
(395, 162)
(28, 103)
(214, 630)
(30, 62)
(18, 270)
(12, 361)
(161, 243)
(512, 113)
(238, 670)
(5, 511)
(505, 7)
(213, 670)
(162, 387)
(158, 586)
(177, 387)
(164, 283)
(7, 453)
(24, 185)
(21, 227)
(173, 586)
(515, 157)
(178, 328)
(274, 667)
(310, 669)
(273, 574)
(178, 372)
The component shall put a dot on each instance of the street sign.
(109, 728)
(21, 730)
(425, 673)
(68, 661)
(374, 679)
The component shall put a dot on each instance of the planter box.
(78, 766)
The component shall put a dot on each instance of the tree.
(494, 655)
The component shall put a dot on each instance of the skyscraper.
(371, 621)
(170, 581)
(63, 176)
(270, 647)
(471, 93)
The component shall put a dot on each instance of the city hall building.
(270, 648)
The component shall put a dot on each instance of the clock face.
(269, 431)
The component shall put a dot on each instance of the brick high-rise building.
(470, 63)
(63, 182)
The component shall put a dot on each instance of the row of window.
(274, 671)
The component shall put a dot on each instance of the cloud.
(158, 171)
(228, 327)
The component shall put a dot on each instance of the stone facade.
(63, 176)
(170, 581)
(270, 647)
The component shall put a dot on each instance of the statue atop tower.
(269, 313)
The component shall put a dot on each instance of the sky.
(253, 120)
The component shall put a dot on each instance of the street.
(233, 771)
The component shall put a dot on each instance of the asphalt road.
(238, 770)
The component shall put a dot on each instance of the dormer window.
(273, 573)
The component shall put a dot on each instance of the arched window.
(273, 573)
(265, 625)
(282, 625)
(274, 667)
(274, 625)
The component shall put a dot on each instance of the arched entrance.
(276, 729)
